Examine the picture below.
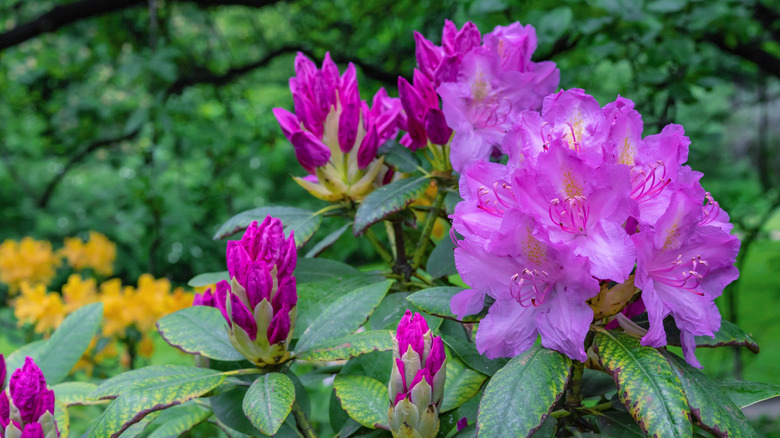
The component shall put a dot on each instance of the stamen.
(710, 211)
(531, 288)
(488, 205)
(648, 185)
(571, 214)
(688, 279)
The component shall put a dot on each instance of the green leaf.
(74, 393)
(179, 419)
(378, 365)
(461, 384)
(441, 262)
(303, 222)
(467, 351)
(269, 401)
(314, 298)
(647, 384)
(744, 393)
(436, 301)
(389, 312)
(327, 241)
(62, 418)
(312, 270)
(619, 424)
(387, 200)
(365, 399)
(709, 406)
(115, 386)
(142, 397)
(729, 334)
(344, 316)
(57, 355)
(521, 395)
(400, 157)
(199, 330)
(347, 347)
(16, 359)
(227, 408)
(208, 278)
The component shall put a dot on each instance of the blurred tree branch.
(65, 14)
(751, 52)
(77, 158)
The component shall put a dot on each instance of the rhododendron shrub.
(584, 241)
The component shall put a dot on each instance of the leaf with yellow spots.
(647, 384)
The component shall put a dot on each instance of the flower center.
(492, 200)
(571, 214)
(530, 288)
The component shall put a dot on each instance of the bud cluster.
(335, 134)
(259, 303)
(27, 408)
(416, 384)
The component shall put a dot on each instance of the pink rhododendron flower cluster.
(27, 408)
(259, 303)
(335, 134)
(484, 84)
(584, 199)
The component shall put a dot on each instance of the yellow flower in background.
(146, 347)
(35, 306)
(97, 253)
(28, 260)
(78, 292)
(90, 358)
(427, 199)
(114, 297)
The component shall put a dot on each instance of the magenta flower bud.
(410, 99)
(348, 126)
(416, 385)
(2, 372)
(436, 127)
(259, 283)
(238, 261)
(287, 294)
(309, 150)
(26, 387)
(348, 88)
(5, 411)
(427, 54)
(287, 121)
(32, 430)
(242, 316)
(280, 326)
(204, 299)
(220, 298)
(368, 148)
(462, 423)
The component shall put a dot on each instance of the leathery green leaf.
(303, 222)
(344, 316)
(347, 347)
(712, 409)
(365, 399)
(153, 394)
(387, 200)
(744, 393)
(179, 419)
(208, 278)
(647, 384)
(436, 301)
(521, 394)
(115, 386)
(199, 330)
(461, 384)
(75, 393)
(268, 402)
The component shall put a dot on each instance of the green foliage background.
(152, 123)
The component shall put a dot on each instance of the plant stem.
(304, 425)
(574, 389)
(378, 246)
(430, 221)
(401, 263)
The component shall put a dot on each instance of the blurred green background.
(150, 121)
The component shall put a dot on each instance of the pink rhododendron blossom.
(335, 134)
(484, 86)
(259, 304)
(584, 199)
(27, 408)
(416, 385)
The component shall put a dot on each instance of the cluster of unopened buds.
(417, 379)
(259, 303)
(27, 407)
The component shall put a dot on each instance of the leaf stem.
(401, 262)
(304, 425)
(378, 246)
(430, 221)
